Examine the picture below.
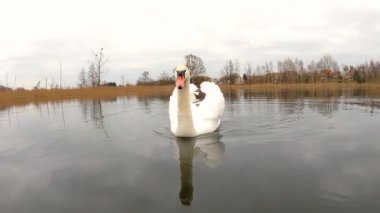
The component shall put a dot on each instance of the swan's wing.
(193, 93)
(206, 114)
(193, 89)
(197, 95)
(212, 106)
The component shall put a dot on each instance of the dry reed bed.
(371, 86)
(17, 98)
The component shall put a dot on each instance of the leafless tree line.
(95, 72)
(294, 71)
(286, 71)
(194, 63)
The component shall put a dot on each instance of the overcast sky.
(36, 36)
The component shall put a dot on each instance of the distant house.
(336, 75)
(232, 79)
(288, 76)
(348, 75)
(273, 77)
(326, 75)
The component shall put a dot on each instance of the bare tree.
(288, 65)
(52, 83)
(327, 62)
(92, 76)
(296, 65)
(268, 68)
(313, 71)
(280, 67)
(258, 70)
(237, 67)
(229, 72)
(82, 78)
(195, 65)
(301, 70)
(312, 66)
(289, 69)
(99, 62)
(144, 78)
(165, 76)
(248, 71)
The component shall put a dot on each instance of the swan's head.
(182, 74)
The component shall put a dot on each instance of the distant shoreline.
(327, 85)
(24, 97)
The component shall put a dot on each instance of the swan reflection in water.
(209, 148)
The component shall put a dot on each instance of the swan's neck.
(185, 118)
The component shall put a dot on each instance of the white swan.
(188, 116)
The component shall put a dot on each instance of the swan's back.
(207, 114)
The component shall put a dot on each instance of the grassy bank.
(15, 98)
(371, 86)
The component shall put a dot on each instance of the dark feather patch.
(200, 97)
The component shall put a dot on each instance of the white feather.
(205, 115)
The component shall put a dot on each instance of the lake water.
(276, 151)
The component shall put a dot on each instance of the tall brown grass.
(11, 98)
(371, 86)
(23, 97)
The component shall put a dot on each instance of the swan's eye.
(181, 73)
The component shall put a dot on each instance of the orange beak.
(180, 82)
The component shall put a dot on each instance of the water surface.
(276, 151)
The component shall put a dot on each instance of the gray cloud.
(155, 36)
